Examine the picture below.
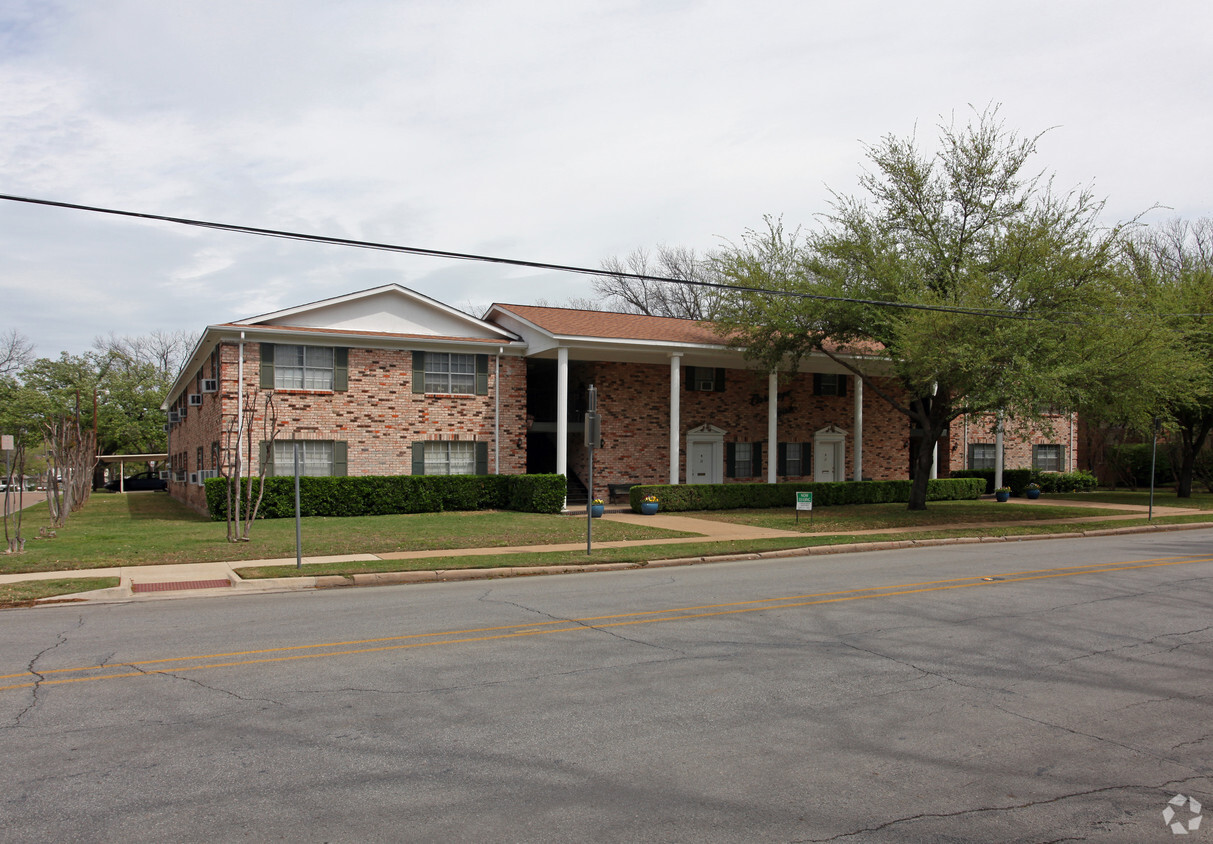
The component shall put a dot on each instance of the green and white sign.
(804, 501)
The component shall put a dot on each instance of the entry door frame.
(713, 438)
(834, 440)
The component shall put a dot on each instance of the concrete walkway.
(216, 579)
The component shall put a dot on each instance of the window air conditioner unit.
(193, 477)
(166, 475)
(195, 400)
(210, 385)
(173, 417)
(706, 385)
(181, 413)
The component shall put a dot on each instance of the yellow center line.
(515, 631)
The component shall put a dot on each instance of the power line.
(515, 262)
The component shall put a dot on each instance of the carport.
(123, 459)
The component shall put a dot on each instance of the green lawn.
(1162, 498)
(149, 528)
(24, 594)
(866, 517)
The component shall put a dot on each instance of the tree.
(1174, 265)
(957, 286)
(621, 290)
(16, 352)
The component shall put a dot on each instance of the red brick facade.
(1060, 430)
(378, 416)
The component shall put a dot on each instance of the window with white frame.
(450, 458)
(315, 457)
(450, 373)
(981, 456)
(303, 368)
(743, 460)
(1049, 457)
(793, 459)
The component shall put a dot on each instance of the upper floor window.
(705, 379)
(829, 384)
(291, 367)
(451, 373)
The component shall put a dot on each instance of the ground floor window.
(450, 457)
(743, 460)
(1049, 457)
(317, 458)
(793, 459)
(981, 456)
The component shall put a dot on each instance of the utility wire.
(515, 262)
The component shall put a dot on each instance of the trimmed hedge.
(380, 495)
(1078, 481)
(1016, 479)
(682, 497)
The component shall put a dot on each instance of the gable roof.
(567, 322)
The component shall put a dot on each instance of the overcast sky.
(561, 131)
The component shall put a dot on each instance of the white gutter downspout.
(240, 407)
(497, 412)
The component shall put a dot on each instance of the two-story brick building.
(387, 381)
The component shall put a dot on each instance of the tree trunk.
(922, 472)
(1192, 440)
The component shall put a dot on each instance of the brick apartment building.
(387, 381)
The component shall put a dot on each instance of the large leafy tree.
(1173, 264)
(957, 284)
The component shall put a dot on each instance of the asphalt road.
(1035, 691)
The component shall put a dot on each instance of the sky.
(564, 132)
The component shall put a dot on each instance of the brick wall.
(378, 417)
(1018, 439)
(633, 400)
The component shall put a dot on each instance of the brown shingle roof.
(606, 325)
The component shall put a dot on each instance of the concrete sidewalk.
(214, 579)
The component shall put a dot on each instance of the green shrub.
(378, 495)
(1016, 479)
(1078, 481)
(1131, 463)
(741, 496)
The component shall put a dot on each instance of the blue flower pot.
(649, 508)
(1002, 496)
(596, 510)
(1032, 493)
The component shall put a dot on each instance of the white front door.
(825, 458)
(701, 456)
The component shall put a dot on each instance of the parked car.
(141, 481)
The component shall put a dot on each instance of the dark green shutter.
(482, 378)
(341, 369)
(718, 380)
(418, 377)
(781, 466)
(842, 385)
(341, 462)
(756, 454)
(267, 458)
(482, 458)
(730, 460)
(418, 456)
(806, 462)
(817, 383)
(267, 366)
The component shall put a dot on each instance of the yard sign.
(804, 501)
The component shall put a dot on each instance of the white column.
(858, 447)
(772, 425)
(675, 413)
(562, 411)
(935, 448)
(998, 453)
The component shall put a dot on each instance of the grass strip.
(644, 554)
(25, 592)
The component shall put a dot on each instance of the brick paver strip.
(182, 584)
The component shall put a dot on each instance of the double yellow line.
(176, 665)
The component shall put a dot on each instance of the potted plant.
(1032, 491)
(1003, 493)
(597, 507)
(649, 505)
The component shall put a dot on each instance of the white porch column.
(998, 453)
(562, 411)
(772, 425)
(675, 413)
(935, 448)
(858, 446)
